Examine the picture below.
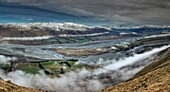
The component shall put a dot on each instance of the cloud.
(6, 60)
(132, 11)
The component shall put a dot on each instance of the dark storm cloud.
(139, 12)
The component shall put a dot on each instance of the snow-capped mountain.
(51, 25)
(55, 26)
(69, 29)
(143, 26)
(74, 26)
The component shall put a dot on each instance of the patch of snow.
(94, 34)
(129, 33)
(143, 26)
(161, 35)
(27, 38)
(113, 48)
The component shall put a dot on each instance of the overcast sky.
(121, 12)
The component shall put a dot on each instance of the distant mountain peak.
(55, 26)
(142, 26)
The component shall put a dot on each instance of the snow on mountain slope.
(54, 26)
(143, 26)
(94, 34)
(160, 35)
(27, 38)
(51, 25)
(73, 26)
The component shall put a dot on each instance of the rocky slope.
(7, 86)
(153, 78)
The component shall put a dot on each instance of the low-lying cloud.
(6, 60)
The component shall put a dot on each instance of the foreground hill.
(153, 78)
(7, 86)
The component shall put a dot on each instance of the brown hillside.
(153, 78)
(7, 86)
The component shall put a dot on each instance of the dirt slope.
(7, 86)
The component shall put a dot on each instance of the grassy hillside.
(153, 78)
(7, 86)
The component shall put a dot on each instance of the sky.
(111, 12)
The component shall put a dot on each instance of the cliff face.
(153, 78)
(7, 86)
